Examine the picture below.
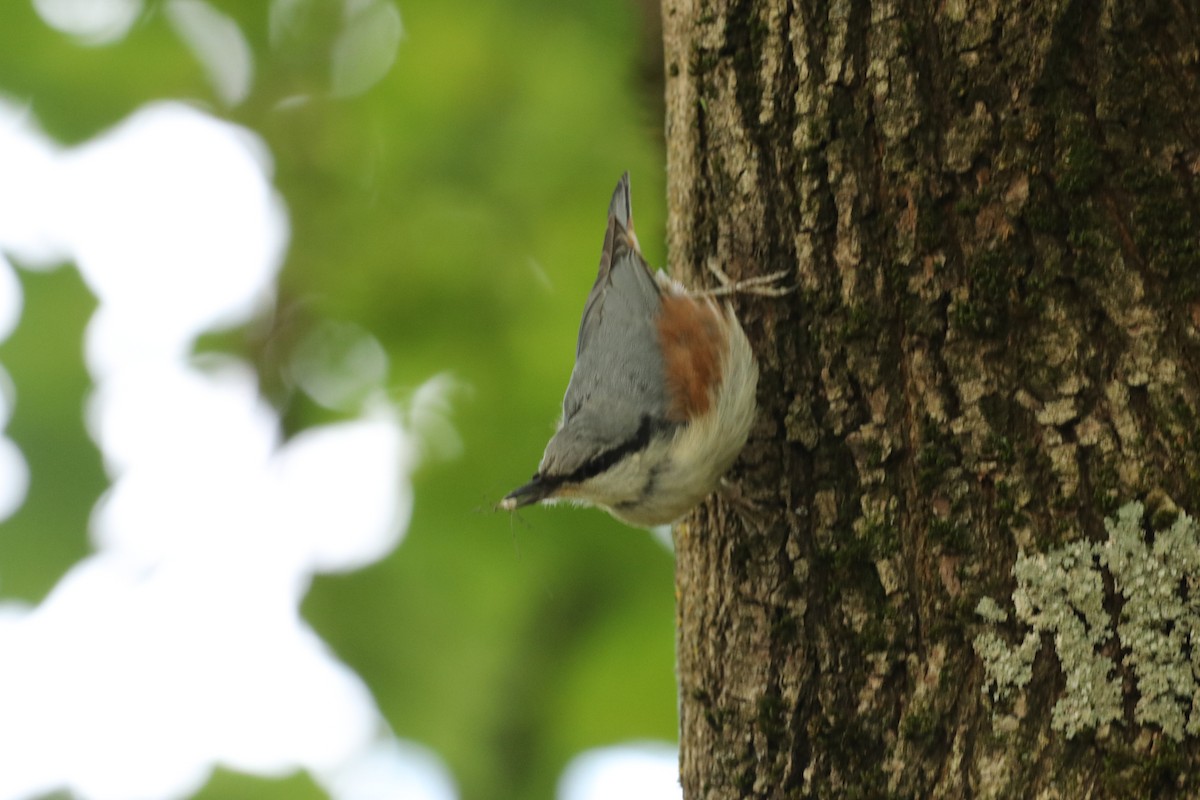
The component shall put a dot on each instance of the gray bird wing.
(617, 394)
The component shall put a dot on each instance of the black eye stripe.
(594, 466)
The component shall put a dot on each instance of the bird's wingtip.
(621, 207)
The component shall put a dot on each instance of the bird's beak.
(533, 492)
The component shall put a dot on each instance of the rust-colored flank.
(690, 335)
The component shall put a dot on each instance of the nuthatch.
(662, 396)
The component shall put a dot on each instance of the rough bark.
(991, 212)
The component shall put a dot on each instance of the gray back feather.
(618, 380)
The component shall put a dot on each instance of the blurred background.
(409, 204)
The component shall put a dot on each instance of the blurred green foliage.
(455, 210)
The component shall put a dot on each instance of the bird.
(662, 396)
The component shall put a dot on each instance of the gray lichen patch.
(990, 610)
(1009, 669)
(1158, 623)
(1061, 593)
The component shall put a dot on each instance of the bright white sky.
(178, 644)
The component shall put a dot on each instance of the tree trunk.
(920, 586)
